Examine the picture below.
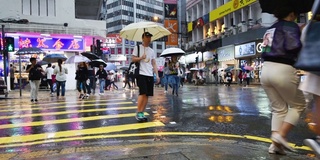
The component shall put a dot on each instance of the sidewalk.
(165, 149)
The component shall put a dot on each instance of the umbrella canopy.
(41, 63)
(228, 68)
(110, 66)
(134, 31)
(31, 50)
(194, 69)
(90, 55)
(124, 68)
(172, 51)
(77, 59)
(52, 58)
(249, 68)
(300, 6)
(97, 63)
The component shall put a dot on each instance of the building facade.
(52, 26)
(230, 29)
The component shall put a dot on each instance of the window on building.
(39, 7)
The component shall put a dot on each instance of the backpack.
(35, 74)
(134, 67)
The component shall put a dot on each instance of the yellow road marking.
(49, 137)
(208, 134)
(55, 107)
(6, 105)
(82, 119)
(65, 112)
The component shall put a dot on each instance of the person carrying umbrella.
(35, 73)
(174, 80)
(145, 78)
(61, 78)
(279, 79)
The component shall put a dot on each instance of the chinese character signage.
(172, 26)
(45, 43)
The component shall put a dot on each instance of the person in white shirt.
(60, 71)
(49, 73)
(145, 79)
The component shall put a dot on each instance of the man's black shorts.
(145, 84)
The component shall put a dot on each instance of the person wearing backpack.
(148, 66)
(35, 73)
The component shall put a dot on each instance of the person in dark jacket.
(35, 73)
(82, 77)
(102, 76)
(279, 78)
(126, 79)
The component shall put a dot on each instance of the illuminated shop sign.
(47, 43)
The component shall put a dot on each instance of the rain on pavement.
(204, 112)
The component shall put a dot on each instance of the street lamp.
(155, 18)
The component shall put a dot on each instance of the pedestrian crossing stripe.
(71, 134)
(59, 121)
(57, 107)
(206, 134)
(64, 112)
(23, 103)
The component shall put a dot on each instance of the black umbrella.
(31, 50)
(52, 58)
(97, 63)
(124, 68)
(90, 55)
(300, 6)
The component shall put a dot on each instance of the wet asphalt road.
(198, 112)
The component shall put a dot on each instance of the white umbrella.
(77, 59)
(134, 31)
(172, 51)
(194, 69)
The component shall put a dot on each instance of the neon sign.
(69, 44)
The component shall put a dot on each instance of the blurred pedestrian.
(279, 78)
(82, 77)
(173, 78)
(240, 77)
(229, 78)
(101, 74)
(147, 67)
(12, 77)
(49, 73)
(61, 78)
(166, 73)
(126, 79)
(35, 73)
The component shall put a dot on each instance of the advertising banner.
(245, 50)
(170, 11)
(172, 26)
(48, 43)
(229, 8)
(225, 53)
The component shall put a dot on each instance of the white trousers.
(34, 85)
(280, 83)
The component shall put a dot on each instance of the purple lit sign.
(46, 43)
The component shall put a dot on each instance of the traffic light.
(99, 48)
(215, 58)
(9, 44)
(197, 59)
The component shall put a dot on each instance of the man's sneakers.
(140, 117)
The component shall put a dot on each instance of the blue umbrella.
(52, 58)
(110, 66)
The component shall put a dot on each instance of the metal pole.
(20, 83)
(5, 55)
(94, 73)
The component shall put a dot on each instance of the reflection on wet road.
(198, 111)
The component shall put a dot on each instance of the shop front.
(227, 60)
(249, 54)
(208, 62)
(68, 45)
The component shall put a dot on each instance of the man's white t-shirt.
(146, 67)
(49, 72)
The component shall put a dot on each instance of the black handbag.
(134, 67)
(309, 57)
